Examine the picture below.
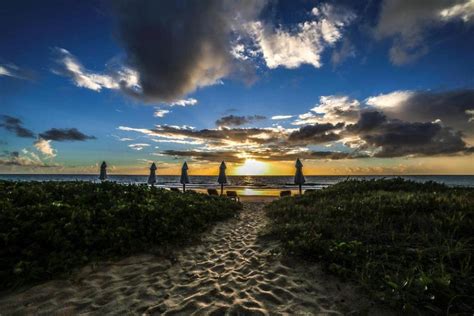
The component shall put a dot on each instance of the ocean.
(244, 185)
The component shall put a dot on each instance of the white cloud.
(238, 52)
(184, 102)
(331, 109)
(184, 127)
(304, 44)
(122, 139)
(139, 146)
(11, 70)
(44, 146)
(471, 114)
(25, 159)
(463, 11)
(32, 157)
(281, 117)
(389, 100)
(71, 67)
(160, 113)
(280, 48)
(179, 141)
(4, 71)
(138, 130)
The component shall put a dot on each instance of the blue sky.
(98, 67)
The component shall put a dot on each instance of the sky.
(349, 87)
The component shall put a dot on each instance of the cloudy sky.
(350, 87)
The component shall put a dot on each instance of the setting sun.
(252, 167)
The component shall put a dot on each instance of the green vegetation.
(49, 228)
(408, 244)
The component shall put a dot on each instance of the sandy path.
(231, 272)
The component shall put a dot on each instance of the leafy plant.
(409, 244)
(48, 228)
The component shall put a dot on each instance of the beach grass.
(407, 244)
(49, 228)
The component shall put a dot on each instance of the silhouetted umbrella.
(222, 177)
(184, 176)
(299, 177)
(103, 171)
(152, 176)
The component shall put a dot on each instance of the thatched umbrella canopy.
(152, 176)
(222, 179)
(103, 171)
(184, 176)
(299, 177)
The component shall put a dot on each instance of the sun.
(252, 167)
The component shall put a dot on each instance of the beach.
(231, 270)
(374, 247)
(222, 157)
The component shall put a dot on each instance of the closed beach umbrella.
(299, 177)
(103, 171)
(184, 176)
(152, 176)
(222, 177)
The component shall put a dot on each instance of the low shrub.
(408, 244)
(48, 228)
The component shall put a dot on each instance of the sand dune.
(231, 272)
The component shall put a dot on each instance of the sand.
(231, 271)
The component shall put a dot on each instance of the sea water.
(245, 185)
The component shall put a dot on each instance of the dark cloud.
(266, 155)
(407, 22)
(15, 125)
(368, 121)
(234, 120)
(217, 135)
(274, 146)
(455, 108)
(64, 134)
(373, 134)
(332, 155)
(178, 46)
(285, 154)
(396, 138)
(215, 156)
(316, 134)
(376, 136)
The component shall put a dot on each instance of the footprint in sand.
(231, 272)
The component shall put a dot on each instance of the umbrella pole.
(184, 187)
(222, 189)
(300, 189)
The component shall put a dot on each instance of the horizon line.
(240, 175)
